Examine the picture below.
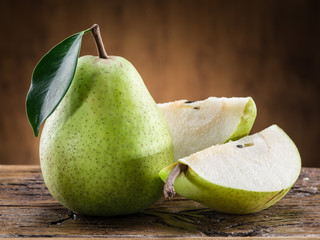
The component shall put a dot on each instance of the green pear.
(240, 177)
(103, 146)
(201, 124)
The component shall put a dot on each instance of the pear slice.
(198, 125)
(240, 177)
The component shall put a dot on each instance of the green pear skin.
(246, 122)
(220, 198)
(102, 148)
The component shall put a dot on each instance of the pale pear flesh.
(243, 176)
(102, 148)
(201, 124)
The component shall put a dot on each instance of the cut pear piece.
(243, 176)
(198, 125)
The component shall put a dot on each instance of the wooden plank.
(28, 210)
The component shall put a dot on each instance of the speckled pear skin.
(246, 121)
(102, 148)
(219, 198)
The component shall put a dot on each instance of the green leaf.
(51, 80)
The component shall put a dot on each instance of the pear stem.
(168, 189)
(95, 30)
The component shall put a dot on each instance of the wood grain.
(28, 210)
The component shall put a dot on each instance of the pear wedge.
(198, 125)
(239, 177)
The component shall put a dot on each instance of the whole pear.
(103, 146)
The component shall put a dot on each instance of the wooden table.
(28, 210)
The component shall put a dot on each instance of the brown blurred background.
(183, 49)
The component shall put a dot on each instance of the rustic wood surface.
(28, 210)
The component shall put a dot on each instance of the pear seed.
(248, 144)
